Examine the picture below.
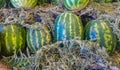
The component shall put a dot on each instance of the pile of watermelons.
(59, 34)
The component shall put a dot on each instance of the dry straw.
(75, 54)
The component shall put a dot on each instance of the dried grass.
(74, 54)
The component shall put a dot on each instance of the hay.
(74, 55)
(115, 59)
(69, 57)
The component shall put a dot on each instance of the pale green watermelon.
(24, 3)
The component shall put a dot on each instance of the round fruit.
(75, 4)
(68, 26)
(23, 3)
(101, 32)
(12, 38)
(2, 3)
(38, 38)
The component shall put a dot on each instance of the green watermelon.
(12, 38)
(103, 1)
(23, 3)
(38, 38)
(2, 3)
(100, 31)
(75, 4)
(68, 26)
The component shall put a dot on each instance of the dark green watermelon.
(68, 26)
(38, 38)
(12, 38)
(2, 3)
(100, 31)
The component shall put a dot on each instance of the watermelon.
(23, 3)
(2, 3)
(100, 31)
(12, 38)
(75, 4)
(103, 1)
(67, 26)
(38, 38)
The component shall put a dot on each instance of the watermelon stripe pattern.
(24, 3)
(101, 32)
(12, 38)
(75, 4)
(68, 26)
(2, 3)
(38, 38)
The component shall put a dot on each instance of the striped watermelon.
(103, 1)
(75, 4)
(68, 26)
(101, 32)
(2, 3)
(38, 38)
(12, 38)
(23, 3)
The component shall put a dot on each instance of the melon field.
(59, 35)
